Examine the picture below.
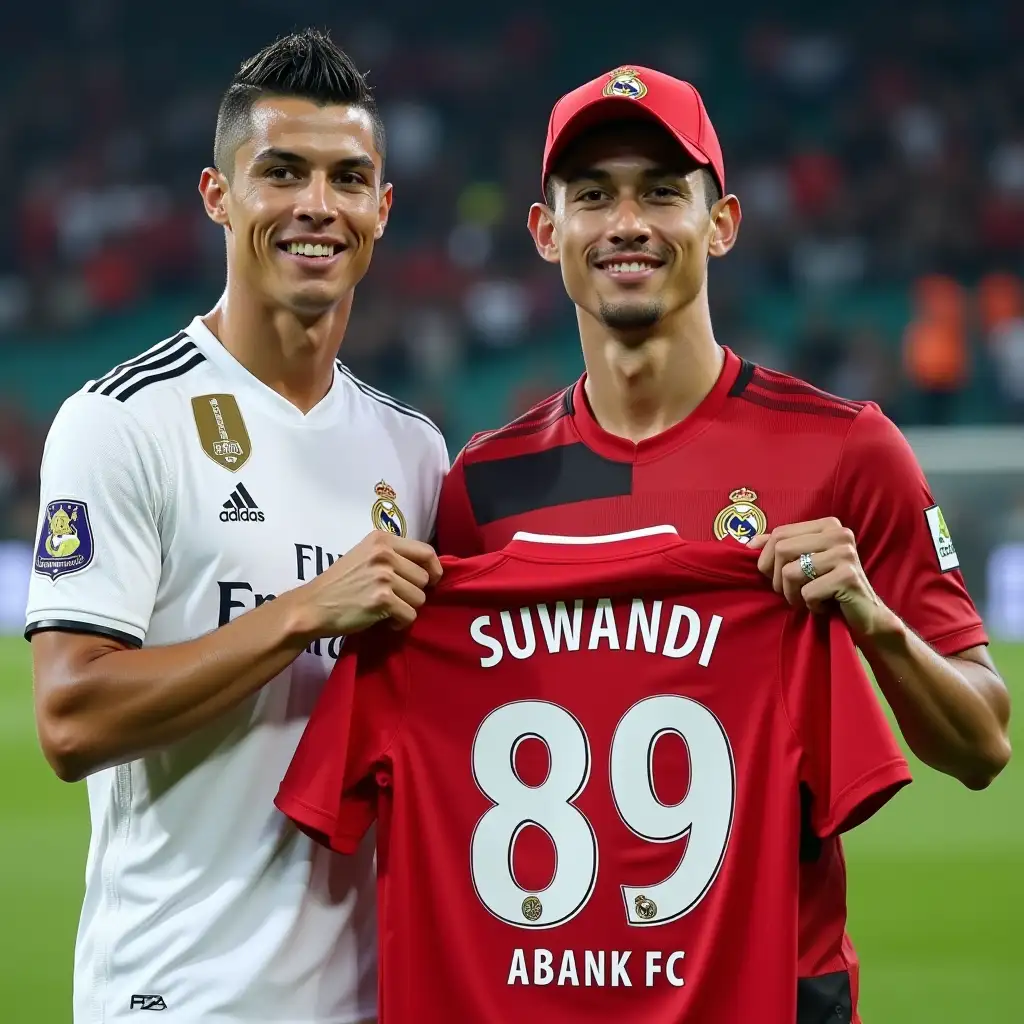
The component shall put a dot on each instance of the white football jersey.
(179, 492)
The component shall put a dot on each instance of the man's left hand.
(833, 561)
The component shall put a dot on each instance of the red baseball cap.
(633, 91)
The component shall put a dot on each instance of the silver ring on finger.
(807, 566)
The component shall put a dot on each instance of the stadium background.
(878, 151)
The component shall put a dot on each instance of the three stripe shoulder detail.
(783, 393)
(165, 361)
(533, 421)
(385, 399)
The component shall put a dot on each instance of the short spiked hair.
(307, 65)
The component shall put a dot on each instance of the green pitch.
(936, 882)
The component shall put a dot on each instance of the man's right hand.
(382, 577)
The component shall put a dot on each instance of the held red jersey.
(763, 449)
(585, 761)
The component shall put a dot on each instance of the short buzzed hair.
(307, 65)
(712, 193)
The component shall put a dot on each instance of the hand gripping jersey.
(586, 762)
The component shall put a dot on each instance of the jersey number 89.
(704, 815)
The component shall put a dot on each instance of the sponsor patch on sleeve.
(941, 539)
(65, 539)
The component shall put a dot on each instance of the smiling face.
(629, 223)
(304, 204)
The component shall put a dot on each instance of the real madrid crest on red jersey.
(742, 520)
(386, 514)
(626, 84)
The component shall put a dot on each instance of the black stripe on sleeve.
(71, 626)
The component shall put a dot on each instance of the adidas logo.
(240, 508)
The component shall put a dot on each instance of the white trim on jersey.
(607, 538)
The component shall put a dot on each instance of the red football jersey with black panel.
(586, 761)
(802, 453)
(763, 449)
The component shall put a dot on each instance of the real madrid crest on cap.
(742, 520)
(626, 84)
(386, 514)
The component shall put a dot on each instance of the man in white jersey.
(216, 514)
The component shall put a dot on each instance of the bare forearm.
(121, 703)
(99, 704)
(953, 713)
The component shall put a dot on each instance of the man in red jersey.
(668, 426)
(610, 823)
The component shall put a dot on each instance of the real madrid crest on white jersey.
(742, 519)
(386, 514)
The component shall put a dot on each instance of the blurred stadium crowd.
(880, 167)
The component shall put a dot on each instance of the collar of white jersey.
(210, 345)
(635, 541)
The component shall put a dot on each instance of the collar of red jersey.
(606, 538)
